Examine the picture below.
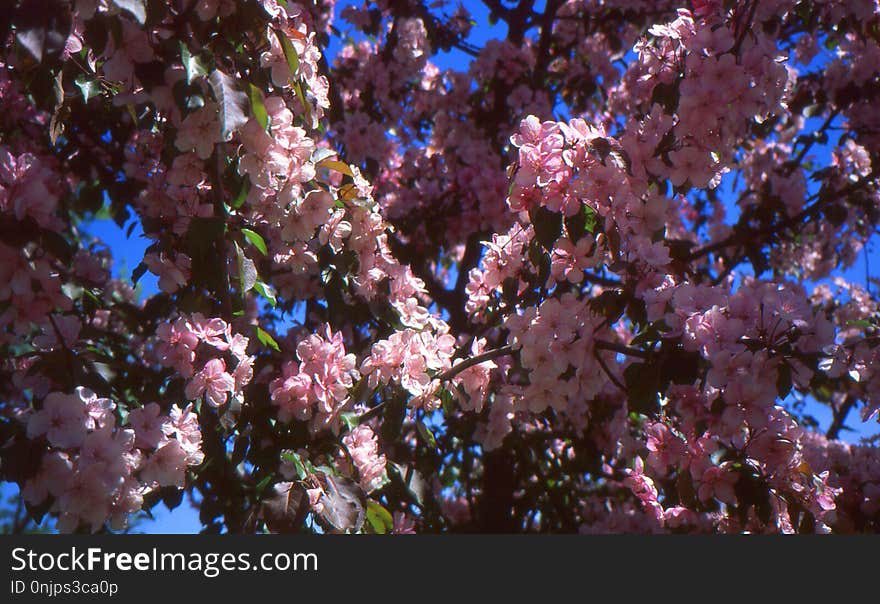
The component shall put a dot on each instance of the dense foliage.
(587, 279)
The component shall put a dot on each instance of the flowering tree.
(585, 282)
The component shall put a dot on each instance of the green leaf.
(426, 434)
(298, 465)
(258, 106)
(256, 240)
(242, 194)
(289, 53)
(350, 420)
(266, 291)
(266, 340)
(447, 400)
(591, 221)
(375, 522)
(191, 64)
(247, 271)
(859, 323)
(89, 88)
(231, 101)
(293, 64)
(577, 225)
(379, 518)
(261, 486)
(87, 293)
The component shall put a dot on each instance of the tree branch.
(220, 243)
(840, 417)
(475, 360)
(741, 235)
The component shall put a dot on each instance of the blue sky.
(128, 252)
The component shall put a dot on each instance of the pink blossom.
(292, 393)
(717, 482)
(199, 131)
(167, 466)
(213, 381)
(148, 425)
(363, 446)
(63, 419)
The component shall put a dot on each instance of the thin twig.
(621, 348)
(742, 235)
(607, 371)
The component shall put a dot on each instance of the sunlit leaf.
(343, 503)
(88, 88)
(289, 52)
(242, 194)
(293, 63)
(255, 239)
(191, 64)
(258, 107)
(267, 292)
(322, 153)
(298, 465)
(247, 271)
(426, 434)
(379, 518)
(231, 101)
(136, 8)
(266, 340)
(336, 165)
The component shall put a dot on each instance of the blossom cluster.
(556, 346)
(317, 387)
(94, 471)
(194, 341)
(413, 359)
